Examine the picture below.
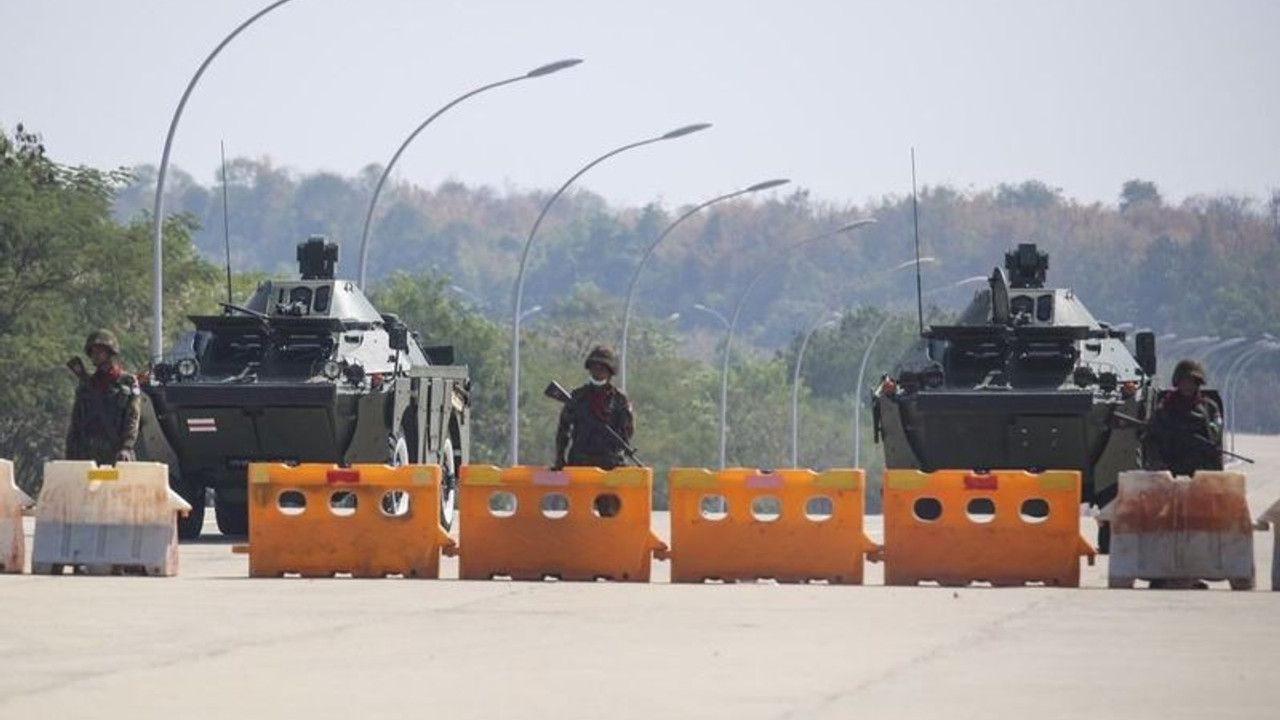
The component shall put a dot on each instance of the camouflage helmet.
(105, 338)
(1188, 368)
(604, 356)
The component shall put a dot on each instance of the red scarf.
(105, 376)
(1177, 403)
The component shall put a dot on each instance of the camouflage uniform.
(582, 432)
(1185, 433)
(105, 416)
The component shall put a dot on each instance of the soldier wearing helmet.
(1185, 432)
(104, 418)
(582, 438)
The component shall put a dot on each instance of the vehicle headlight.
(331, 369)
(162, 372)
(188, 367)
(354, 373)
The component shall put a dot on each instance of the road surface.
(213, 643)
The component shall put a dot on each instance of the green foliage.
(66, 267)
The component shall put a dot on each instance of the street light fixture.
(635, 276)
(742, 301)
(157, 214)
(815, 326)
(514, 394)
(537, 72)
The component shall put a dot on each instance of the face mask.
(596, 382)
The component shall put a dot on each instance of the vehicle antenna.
(915, 215)
(226, 229)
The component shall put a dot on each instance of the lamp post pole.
(514, 387)
(1231, 383)
(737, 313)
(157, 213)
(386, 172)
(815, 326)
(866, 356)
(635, 276)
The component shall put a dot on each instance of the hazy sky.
(1080, 94)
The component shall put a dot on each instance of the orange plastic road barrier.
(788, 525)
(13, 541)
(1007, 527)
(365, 520)
(1180, 528)
(530, 523)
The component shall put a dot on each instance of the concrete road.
(213, 643)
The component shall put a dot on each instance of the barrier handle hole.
(766, 508)
(606, 505)
(395, 503)
(1034, 511)
(554, 506)
(713, 507)
(502, 504)
(819, 508)
(981, 510)
(291, 502)
(927, 509)
(343, 503)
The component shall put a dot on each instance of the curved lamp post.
(635, 276)
(157, 289)
(737, 313)
(1231, 385)
(814, 327)
(866, 356)
(514, 394)
(386, 172)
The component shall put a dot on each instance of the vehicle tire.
(189, 527)
(1104, 538)
(396, 502)
(448, 483)
(232, 517)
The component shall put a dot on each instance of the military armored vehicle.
(1027, 378)
(305, 371)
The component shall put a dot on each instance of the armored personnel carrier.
(1026, 379)
(305, 371)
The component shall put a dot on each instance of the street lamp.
(737, 313)
(531, 311)
(377, 190)
(866, 356)
(815, 326)
(157, 215)
(514, 395)
(635, 277)
(1231, 383)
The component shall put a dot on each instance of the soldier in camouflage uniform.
(104, 419)
(582, 438)
(1185, 432)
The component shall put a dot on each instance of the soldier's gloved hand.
(126, 456)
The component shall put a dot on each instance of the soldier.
(1185, 432)
(583, 437)
(104, 418)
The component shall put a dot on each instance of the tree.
(1139, 192)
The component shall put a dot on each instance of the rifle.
(556, 391)
(1131, 420)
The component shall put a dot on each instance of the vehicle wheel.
(448, 483)
(189, 527)
(396, 502)
(1242, 583)
(1120, 583)
(233, 517)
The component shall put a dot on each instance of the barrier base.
(105, 549)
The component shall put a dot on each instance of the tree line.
(76, 255)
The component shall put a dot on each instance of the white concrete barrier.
(104, 520)
(13, 542)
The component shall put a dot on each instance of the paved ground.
(214, 643)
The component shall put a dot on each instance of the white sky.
(1082, 94)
